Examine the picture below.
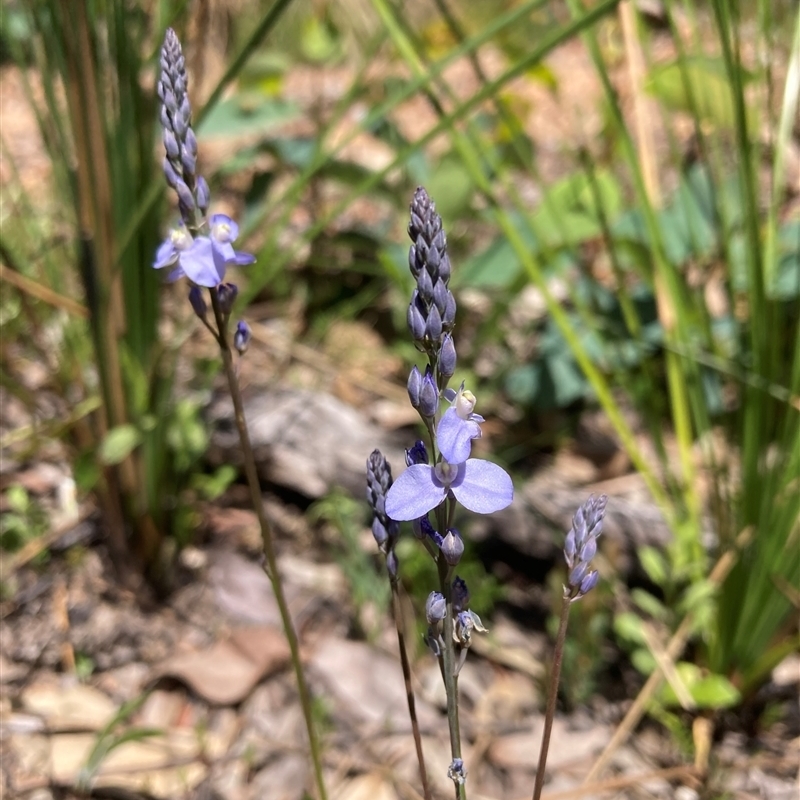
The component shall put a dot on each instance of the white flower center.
(221, 231)
(465, 403)
(445, 472)
(181, 239)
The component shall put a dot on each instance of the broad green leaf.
(654, 564)
(715, 692)
(707, 690)
(643, 661)
(247, 112)
(522, 383)
(628, 626)
(119, 443)
(496, 267)
(650, 604)
(452, 187)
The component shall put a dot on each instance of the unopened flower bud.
(457, 772)
(414, 386)
(227, 294)
(433, 325)
(460, 594)
(435, 608)
(429, 395)
(392, 565)
(241, 337)
(417, 454)
(447, 357)
(197, 301)
(416, 319)
(202, 194)
(452, 547)
(380, 533)
(588, 583)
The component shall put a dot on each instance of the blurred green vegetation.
(661, 253)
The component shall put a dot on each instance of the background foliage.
(663, 255)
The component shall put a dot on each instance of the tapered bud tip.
(435, 608)
(198, 302)
(429, 395)
(460, 594)
(241, 337)
(227, 294)
(202, 194)
(588, 583)
(392, 565)
(447, 357)
(452, 547)
(414, 386)
(417, 454)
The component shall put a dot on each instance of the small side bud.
(198, 302)
(429, 395)
(202, 195)
(241, 337)
(460, 594)
(435, 608)
(457, 772)
(447, 357)
(452, 547)
(417, 454)
(414, 387)
(392, 565)
(227, 293)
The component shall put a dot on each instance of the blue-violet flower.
(202, 259)
(478, 485)
(458, 426)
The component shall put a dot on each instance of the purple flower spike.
(479, 486)
(458, 427)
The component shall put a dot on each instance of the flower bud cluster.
(385, 530)
(465, 621)
(201, 248)
(180, 142)
(580, 546)
(432, 311)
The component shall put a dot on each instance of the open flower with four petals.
(480, 486)
(202, 259)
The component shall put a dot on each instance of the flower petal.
(483, 487)
(176, 274)
(166, 255)
(243, 259)
(414, 493)
(454, 436)
(223, 228)
(202, 264)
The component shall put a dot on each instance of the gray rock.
(309, 442)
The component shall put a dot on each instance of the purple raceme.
(385, 530)
(200, 248)
(439, 478)
(580, 547)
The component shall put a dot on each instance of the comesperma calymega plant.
(440, 474)
(439, 477)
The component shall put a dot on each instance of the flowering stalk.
(386, 532)
(580, 548)
(448, 477)
(201, 249)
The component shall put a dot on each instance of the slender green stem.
(271, 565)
(412, 706)
(552, 696)
(448, 666)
